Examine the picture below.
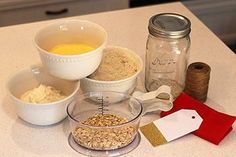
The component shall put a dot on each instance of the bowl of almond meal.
(118, 71)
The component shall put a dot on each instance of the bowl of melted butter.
(71, 49)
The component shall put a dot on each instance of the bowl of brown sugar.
(118, 71)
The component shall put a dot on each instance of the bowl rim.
(76, 89)
(139, 115)
(59, 22)
(122, 80)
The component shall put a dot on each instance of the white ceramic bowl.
(124, 86)
(71, 67)
(40, 114)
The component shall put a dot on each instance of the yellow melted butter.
(71, 49)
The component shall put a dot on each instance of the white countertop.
(126, 28)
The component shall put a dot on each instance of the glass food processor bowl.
(104, 120)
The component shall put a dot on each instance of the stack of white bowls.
(65, 71)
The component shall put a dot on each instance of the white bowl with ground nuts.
(118, 71)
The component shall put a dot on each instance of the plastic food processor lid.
(169, 25)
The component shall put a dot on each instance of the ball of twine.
(197, 80)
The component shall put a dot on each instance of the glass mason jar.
(167, 52)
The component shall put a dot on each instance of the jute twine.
(197, 80)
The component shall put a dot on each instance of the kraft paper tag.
(171, 127)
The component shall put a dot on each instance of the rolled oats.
(103, 138)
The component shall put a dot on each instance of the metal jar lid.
(169, 25)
